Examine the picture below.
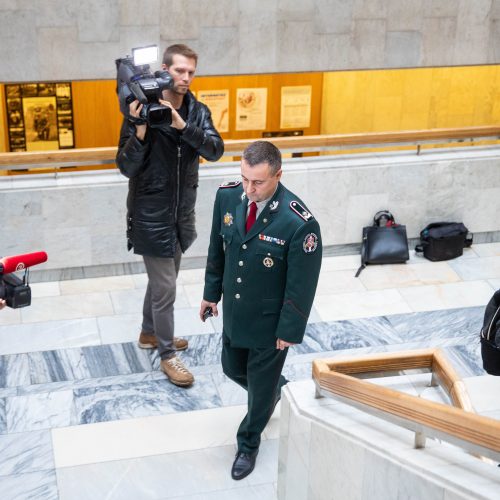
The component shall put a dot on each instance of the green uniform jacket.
(268, 277)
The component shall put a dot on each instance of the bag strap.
(420, 248)
(468, 240)
(363, 257)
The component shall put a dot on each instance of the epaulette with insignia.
(301, 211)
(230, 184)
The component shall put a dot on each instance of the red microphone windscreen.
(19, 262)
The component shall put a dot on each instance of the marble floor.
(86, 414)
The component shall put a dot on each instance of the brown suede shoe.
(177, 373)
(149, 341)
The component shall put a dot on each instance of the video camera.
(16, 291)
(135, 81)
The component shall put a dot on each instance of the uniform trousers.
(257, 370)
(158, 309)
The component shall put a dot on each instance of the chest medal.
(228, 219)
(268, 262)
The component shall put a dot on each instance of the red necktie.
(251, 216)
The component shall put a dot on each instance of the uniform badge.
(268, 262)
(243, 195)
(310, 243)
(230, 184)
(301, 211)
(228, 219)
(274, 206)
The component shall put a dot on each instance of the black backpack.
(490, 336)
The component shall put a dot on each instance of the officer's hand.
(203, 307)
(283, 344)
(134, 109)
(2, 303)
(177, 121)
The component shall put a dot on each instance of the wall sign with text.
(39, 116)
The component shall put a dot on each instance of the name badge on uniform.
(310, 243)
(228, 219)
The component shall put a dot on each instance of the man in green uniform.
(264, 257)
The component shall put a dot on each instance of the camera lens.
(159, 115)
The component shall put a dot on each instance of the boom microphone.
(20, 262)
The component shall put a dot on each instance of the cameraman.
(162, 165)
(2, 303)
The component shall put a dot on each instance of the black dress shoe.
(243, 465)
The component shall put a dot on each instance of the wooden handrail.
(94, 156)
(455, 423)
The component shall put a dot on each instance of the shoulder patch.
(301, 211)
(230, 184)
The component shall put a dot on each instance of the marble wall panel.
(66, 13)
(223, 12)
(403, 49)
(333, 16)
(221, 50)
(472, 37)
(404, 15)
(18, 39)
(443, 8)
(180, 19)
(494, 48)
(134, 14)
(368, 45)
(58, 53)
(98, 21)
(292, 10)
(297, 46)
(257, 38)
(334, 50)
(452, 32)
(371, 9)
(438, 37)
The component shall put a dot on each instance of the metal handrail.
(455, 424)
(300, 144)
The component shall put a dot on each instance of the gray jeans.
(158, 310)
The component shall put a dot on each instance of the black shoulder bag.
(384, 242)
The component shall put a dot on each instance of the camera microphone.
(20, 262)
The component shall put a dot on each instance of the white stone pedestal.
(330, 450)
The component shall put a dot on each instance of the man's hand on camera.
(177, 121)
(2, 303)
(134, 109)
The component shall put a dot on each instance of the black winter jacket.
(163, 173)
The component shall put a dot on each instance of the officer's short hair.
(263, 152)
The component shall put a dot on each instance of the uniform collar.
(270, 210)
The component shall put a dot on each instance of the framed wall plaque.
(39, 116)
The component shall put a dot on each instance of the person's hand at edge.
(203, 307)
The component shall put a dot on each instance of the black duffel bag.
(443, 240)
(490, 336)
